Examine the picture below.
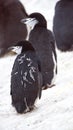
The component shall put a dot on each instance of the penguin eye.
(25, 20)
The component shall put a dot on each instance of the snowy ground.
(55, 109)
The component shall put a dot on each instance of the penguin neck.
(29, 29)
(28, 32)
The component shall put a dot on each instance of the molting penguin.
(63, 25)
(11, 29)
(43, 41)
(26, 79)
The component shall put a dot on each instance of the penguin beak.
(28, 20)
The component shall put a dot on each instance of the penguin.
(43, 41)
(63, 25)
(26, 79)
(11, 29)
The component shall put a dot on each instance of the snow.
(54, 111)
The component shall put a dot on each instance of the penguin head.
(26, 46)
(35, 19)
